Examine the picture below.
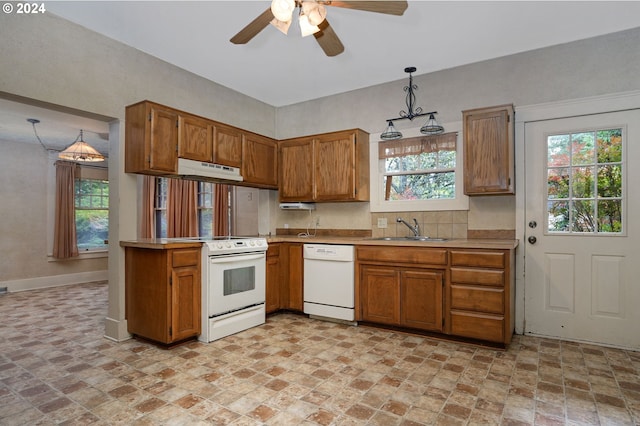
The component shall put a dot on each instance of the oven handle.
(235, 258)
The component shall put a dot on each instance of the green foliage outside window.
(92, 213)
(424, 176)
(584, 182)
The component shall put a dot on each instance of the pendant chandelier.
(79, 150)
(431, 127)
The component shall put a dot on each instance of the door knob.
(532, 239)
(533, 224)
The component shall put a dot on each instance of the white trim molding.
(551, 111)
(54, 281)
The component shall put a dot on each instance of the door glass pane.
(558, 183)
(585, 182)
(582, 182)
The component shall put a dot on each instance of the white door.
(582, 243)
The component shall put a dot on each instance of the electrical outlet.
(382, 222)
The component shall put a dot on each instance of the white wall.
(49, 59)
(25, 171)
(597, 66)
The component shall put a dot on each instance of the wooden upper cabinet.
(194, 140)
(260, 160)
(327, 167)
(489, 151)
(151, 139)
(296, 170)
(335, 160)
(227, 145)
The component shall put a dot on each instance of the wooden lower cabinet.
(284, 284)
(273, 278)
(409, 295)
(162, 293)
(460, 292)
(408, 298)
(481, 294)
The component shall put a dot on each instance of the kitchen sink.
(408, 239)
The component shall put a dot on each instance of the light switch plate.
(382, 222)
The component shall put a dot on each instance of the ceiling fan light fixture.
(315, 12)
(283, 27)
(306, 28)
(81, 151)
(390, 133)
(283, 9)
(431, 127)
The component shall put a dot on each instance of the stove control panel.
(236, 245)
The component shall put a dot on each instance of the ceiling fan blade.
(328, 40)
(254, 27)
(388, 7)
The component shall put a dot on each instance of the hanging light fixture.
(310, 16)
(79, 150)
(432, 127)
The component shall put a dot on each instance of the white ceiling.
(282, 70)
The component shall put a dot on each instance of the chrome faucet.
(415, 229)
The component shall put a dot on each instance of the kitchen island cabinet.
(162, 293)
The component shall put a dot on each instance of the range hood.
(199, 169)
(297, 206)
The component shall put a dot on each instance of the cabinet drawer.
(487, 300)
(185, 257)
(477, 326)
(477, 276)
(273, 250)
(397, 254)
(480, 259)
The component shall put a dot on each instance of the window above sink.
(427, 179)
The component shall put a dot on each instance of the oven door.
(235, 282)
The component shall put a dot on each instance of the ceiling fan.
(312, 19)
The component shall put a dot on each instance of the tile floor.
(57, 368)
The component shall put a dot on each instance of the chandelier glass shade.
(431, 127)
(80, 151)
(310, 16)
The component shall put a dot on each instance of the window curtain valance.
(417, 145)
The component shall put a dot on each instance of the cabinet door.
(227, 145)
(194, 141)
(422, 299)
(380, 294)
(273, 278)
(185, 303)
(163, 140)
(335, 158)
(260, 160)
(488, 151)
(296, 170)
(295, 278)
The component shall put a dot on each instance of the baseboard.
(54, 281)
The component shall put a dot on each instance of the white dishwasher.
(329, 281)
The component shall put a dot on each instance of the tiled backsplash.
(438, 224)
